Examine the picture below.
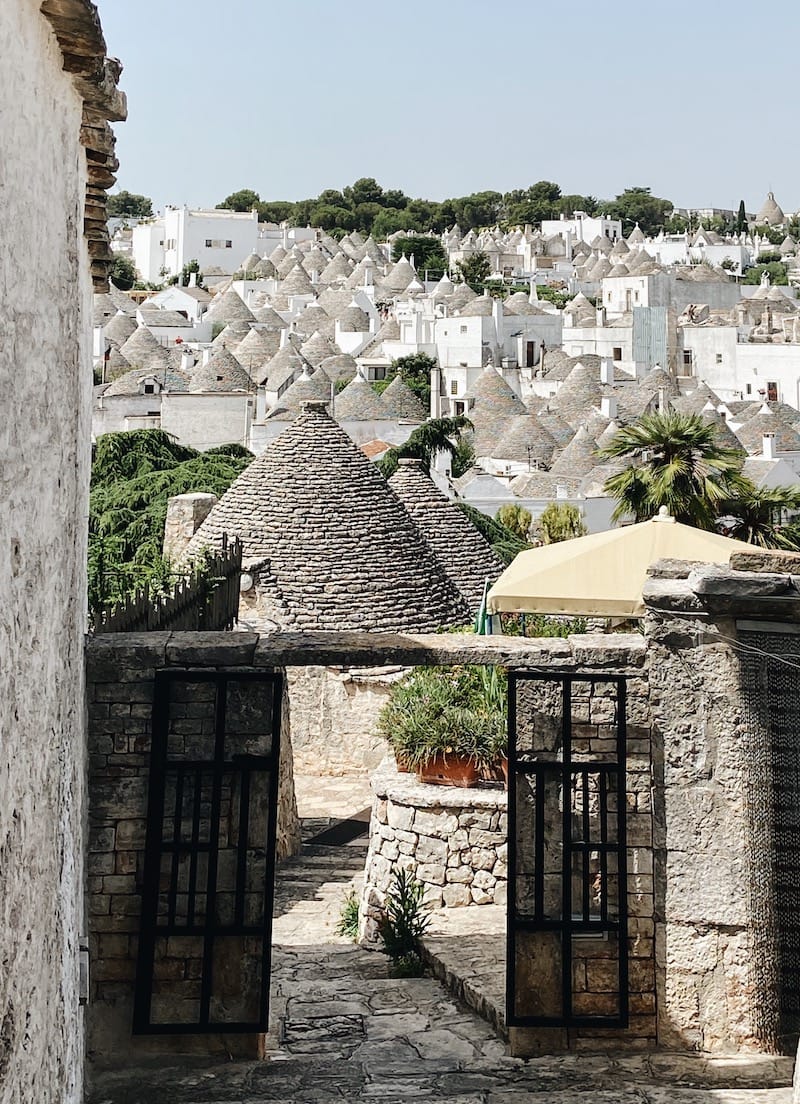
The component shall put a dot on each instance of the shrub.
(348, 919)
(404, 923)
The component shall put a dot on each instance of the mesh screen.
(772, 728)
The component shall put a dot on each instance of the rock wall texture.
(453, 840)
(335, 716)
(44, 455)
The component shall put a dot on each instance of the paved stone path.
(345, 1031)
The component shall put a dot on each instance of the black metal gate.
(204, 944)
(567, 948)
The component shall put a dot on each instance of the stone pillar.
(185, 514)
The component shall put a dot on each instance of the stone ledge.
(403, 789)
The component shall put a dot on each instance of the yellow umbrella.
(602, 575)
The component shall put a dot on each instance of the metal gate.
(204, 943)
(567, 947)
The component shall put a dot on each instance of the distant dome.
(770, 213)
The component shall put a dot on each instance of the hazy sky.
(696, 99)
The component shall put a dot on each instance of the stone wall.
(46, 376)
(453, 840)
(335, 717)
(121, 689)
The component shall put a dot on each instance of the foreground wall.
(53, 234)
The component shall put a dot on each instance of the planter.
(450, 770)
(504, 769)
(403, 764)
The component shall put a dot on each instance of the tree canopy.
(426, 250)
(122, 273)
(129, 205)
(434, 436)
(369, 208)
(134, 474)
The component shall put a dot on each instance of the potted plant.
(447, 723)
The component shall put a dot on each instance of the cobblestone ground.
(346, 1031)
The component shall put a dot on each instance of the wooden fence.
(208, 599)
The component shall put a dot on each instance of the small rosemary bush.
(404, 923)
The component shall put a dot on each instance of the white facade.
(219, 239)
(582, 227)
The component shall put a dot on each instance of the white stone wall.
(45, 364)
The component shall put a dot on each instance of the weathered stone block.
(400, 816)
(456, 896)
(431, 822)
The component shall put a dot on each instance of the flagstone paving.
(343, 1030)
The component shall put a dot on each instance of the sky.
(696, 100)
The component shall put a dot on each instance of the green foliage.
(540, 625)
(778, 273)
(348, 920)
(123, 272)
(757, 515)
(728, 264)
(404, 922)
(516, 518)
(638, 205)
(458, 710)
(243, 200)
(463, 458)
(415, 371)
(506, 544)
(427, 252)
(560, 521)
(474, 270)
(741, 218)
(133, 476)
(129, 205)
(183, 279)
(773, 236)
(553, 295)
(675, 461)
(434, 436)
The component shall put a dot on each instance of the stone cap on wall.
(111, 654)
(712, 589)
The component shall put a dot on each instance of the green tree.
(474, 270)
(129, 205)
(777, 271)
(560, 521)
(364, 190)
(328, 217)
(183, 279)
(277, 210)
(638, 205)
(427, 251)
(434, 436)
(675, 461)
(415, 370)
(516, 518)
(759, 513)
(122, 273)
(741, 218)
(243, 200)
(505, 543)
(134, 473)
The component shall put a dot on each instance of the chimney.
(768, 446)
(608, 407)
(600, 316)
(192, 279)
(187, 360)
(607, 370)
(208, 352)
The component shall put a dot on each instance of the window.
(530, 353)
(229, 244)
(379, 373)
(617, 352)
(718, 358)
(636, 296)
(459, 408)
(749, 389)
(149, 389)
(688, 359)
(453, 387)
(462, 329)
(772, 392)
(208, 243)
(219, 243)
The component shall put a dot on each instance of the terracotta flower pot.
(504, 769)
(449, 770)
(403, 764)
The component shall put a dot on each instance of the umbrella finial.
(663, 514)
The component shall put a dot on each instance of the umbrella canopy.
(602, 575)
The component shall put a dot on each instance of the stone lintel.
(766, 559)
(673, 594)
(621, 651)
(716, 581)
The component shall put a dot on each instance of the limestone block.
(461, 874)
(431, 872)
(399, 816)
(456, 896)
(431, 822)
(430, 850)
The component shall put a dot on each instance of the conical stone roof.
(222, 373)
(578, 458)
(229, 307)
(461, 296)
(399, 275)
(119, 328)
(143, 351)
(341, 366)
(725, 437)
(465, 556)
(770, 213)
(231, 336)
(399, 401)
(495, 403)
(317, 348)
(580, 391)
(258, 347)
(306, 388)
(751, 433)
(342, 550)
(336, 270)
(359, 403)
(297, 282)
(526, 439)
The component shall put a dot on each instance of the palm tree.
(758, 512)
(675, 461)
(435, 435)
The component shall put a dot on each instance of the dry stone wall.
(453, 840)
